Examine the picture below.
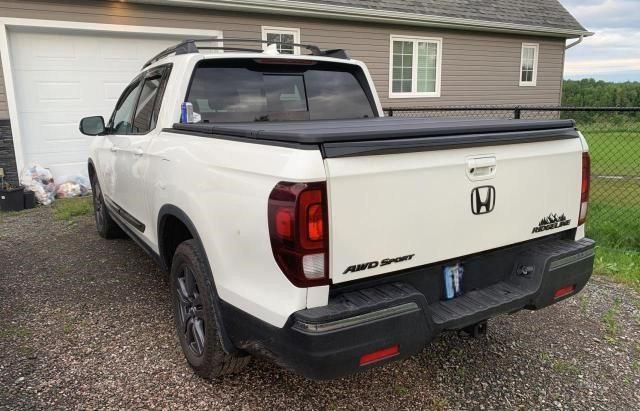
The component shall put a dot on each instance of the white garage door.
(60, 77)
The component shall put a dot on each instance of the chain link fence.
(613, 135)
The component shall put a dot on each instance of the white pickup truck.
(300, 224)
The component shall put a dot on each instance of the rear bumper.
(328, 342)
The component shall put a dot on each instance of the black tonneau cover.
(338, 138)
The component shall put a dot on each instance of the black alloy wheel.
(107, 228)
(197, 326)
(191, 313)
(98, 206)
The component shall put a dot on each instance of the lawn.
(616, 230)
(615, 148)
(622, 266)
(614, 209)
(68, 208)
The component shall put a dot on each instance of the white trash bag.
(39, 180)
(72, 186)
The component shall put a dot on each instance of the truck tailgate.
(407, 208)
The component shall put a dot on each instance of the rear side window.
(242, 90)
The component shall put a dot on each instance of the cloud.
(613, 53)
(596, 14)
(588, 66)
(608, 44)
(615, 39)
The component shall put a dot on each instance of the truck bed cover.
(382, 135)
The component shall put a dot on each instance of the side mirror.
(92, 126)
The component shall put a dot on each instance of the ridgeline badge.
(551, 222)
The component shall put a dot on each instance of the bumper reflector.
(380, 355)
(566, 290)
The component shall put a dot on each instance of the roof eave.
(301, 8)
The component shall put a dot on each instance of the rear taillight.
(584, 192)
(298, 229)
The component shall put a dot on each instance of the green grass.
(565, 367)
(614, 208)
(610, 319)
(559, 365)
(615, 148)
(616, 229)
(622, 266)
(7, 214)
(68, 208)
(67, 328)
(614, 226)
(584, 303)
(614, 222)
(64, 209)
(618, 193)
(401, 390)
(10, 332)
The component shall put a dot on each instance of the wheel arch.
(91, 169)
(174, 227)
(172, 220)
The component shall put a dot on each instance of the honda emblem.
(483, 199)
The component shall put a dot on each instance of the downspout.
(567, 47)
(575, 43)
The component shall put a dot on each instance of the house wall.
(7, 156)
(478, 68)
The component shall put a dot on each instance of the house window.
(415, 65)
(529, 64)
(281, 34)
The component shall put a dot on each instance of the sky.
(613, 53)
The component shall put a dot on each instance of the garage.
(60, 76)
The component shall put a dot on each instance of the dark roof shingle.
(538, 13)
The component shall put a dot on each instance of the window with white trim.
(415, 65)
(529, 64)
(282, 34)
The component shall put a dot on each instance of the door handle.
(138, 152)
(481, 168)
(114, 149)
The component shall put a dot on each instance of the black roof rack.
(189, 46)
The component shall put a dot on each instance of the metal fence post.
(390, 112)
(516, 113)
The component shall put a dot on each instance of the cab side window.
(121, 119)
(138, 108)
(144, 119)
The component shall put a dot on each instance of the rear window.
(244, 90)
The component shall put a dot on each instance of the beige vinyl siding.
(478, 68)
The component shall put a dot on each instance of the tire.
(195, 318)
(107, 228)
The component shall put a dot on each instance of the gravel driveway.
(86, 323)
